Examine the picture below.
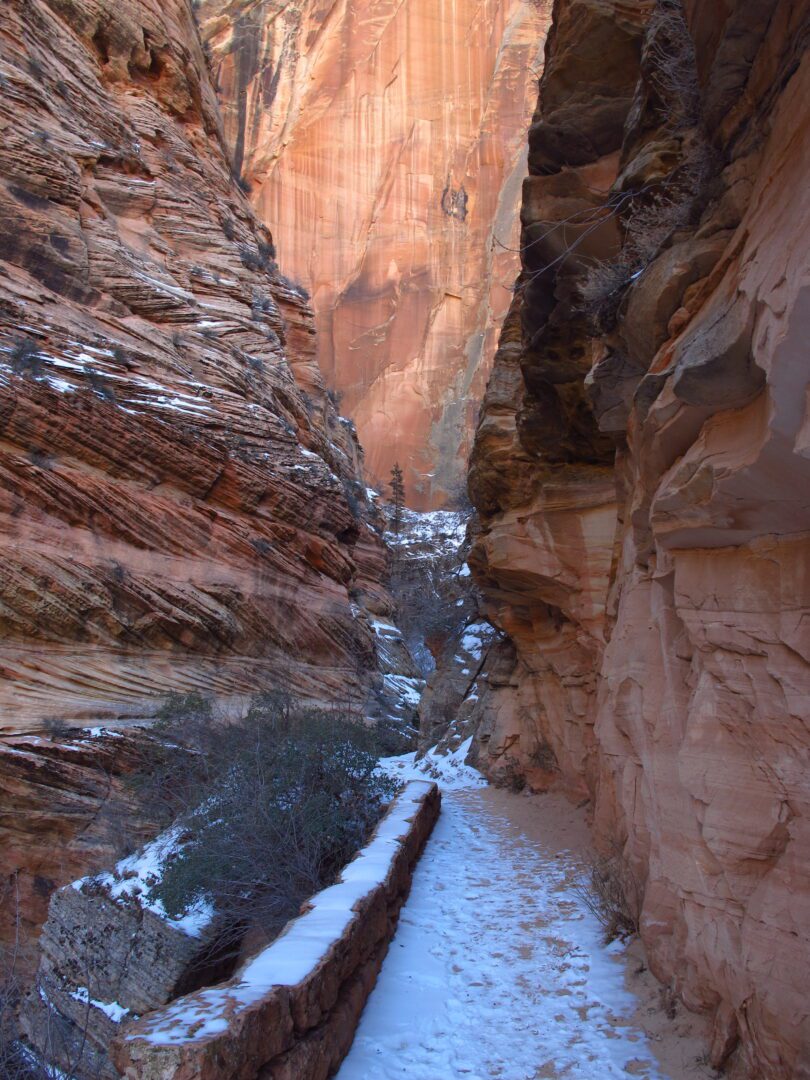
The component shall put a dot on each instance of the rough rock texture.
(641, 474)
(180, 505)
(180, 502)
(66, 808)
(384, 142)
(102, 961)
(300, 1030)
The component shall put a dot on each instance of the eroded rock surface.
(641, 474)
(180, 501)
(67, 807)
(180, 504)
(384, 143)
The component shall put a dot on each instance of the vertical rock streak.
(384, 145)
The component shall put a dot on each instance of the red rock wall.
(179, 500)
(385, 146)
(180, 506)
(641, 470)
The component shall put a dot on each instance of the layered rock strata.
(384, 143)
(180, 500)
(103, 960)
(180, 504)
(66, 806)
(640, 472)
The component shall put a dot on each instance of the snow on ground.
(448, 770)
(497, 968)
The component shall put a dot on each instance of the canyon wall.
(180, 504)
(641, 473)
(384, 144)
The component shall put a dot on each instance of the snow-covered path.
(497, 969)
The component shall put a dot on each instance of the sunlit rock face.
(384, 143)
(641, 474)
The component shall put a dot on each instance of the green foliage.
(275, 805)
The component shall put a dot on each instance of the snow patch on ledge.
(134, 876)
(116, 1012)
(405, 689)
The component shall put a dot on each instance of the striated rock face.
(66, 806)
(640, 471)
(180, 505)
(385, 145)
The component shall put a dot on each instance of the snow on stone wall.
(292, 1010)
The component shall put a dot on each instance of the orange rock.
(384, 143)
(665, 661)
(180, 502)
(181, 508)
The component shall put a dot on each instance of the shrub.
(612, 893)
(673, 65)
(260, 305)
(41, 459)
(267, 252)
(355, 500)
(295, 287)
(249, 258)
(652, 215)
(123, 356)
(649, 224)
(434, 602)
(276, 803)
(99, 385)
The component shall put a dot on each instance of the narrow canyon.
(550, 259)
(385, 144)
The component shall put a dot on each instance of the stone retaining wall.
(290, 1013)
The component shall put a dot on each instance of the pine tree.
(398, 495)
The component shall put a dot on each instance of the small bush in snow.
(612, 893)
(275, 805)
(25, 357)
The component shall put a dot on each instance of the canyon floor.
(498, 969)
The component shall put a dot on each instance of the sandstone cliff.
(641, 475)
(180, 506)
(384, 143)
